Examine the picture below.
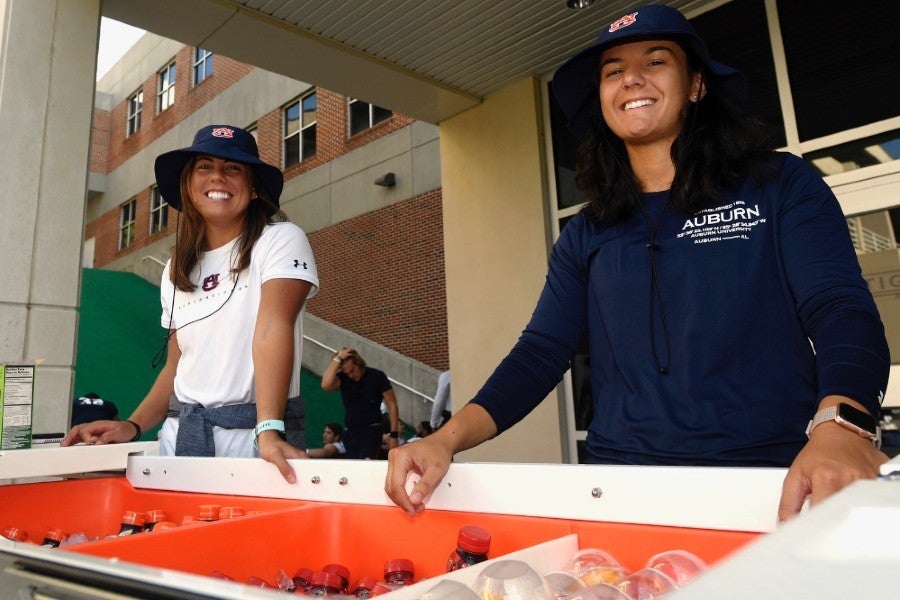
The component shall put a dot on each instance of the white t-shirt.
(215, 323)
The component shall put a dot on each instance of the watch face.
(858, 418)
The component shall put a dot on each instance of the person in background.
(91, 407)
(441, 406)
(423, 429)
(232, 296)
(332, 446)
(722, 328)
(363, 389)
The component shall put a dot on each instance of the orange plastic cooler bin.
(338, 514)
(363, 538)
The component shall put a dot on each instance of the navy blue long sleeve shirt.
(766, 312)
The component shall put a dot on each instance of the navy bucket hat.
(220, 141)
(574, 83)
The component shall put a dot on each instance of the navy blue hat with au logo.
(574, 83)
(220, 141)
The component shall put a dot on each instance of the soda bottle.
(324, 584)
(364, 588)
(342, 572)
(153, 518)
(472, 545)
(53, 538)
(132, 522)
(398, 572)
(15, 534)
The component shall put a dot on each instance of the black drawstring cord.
(656, 291)
(655, 286)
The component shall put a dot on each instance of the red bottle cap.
(302, 577)
(15, 534)
(398, 564)
(155, 516)
(474, 539)
(339, 570)
(57, 535)
(227, 512)
(134, 518)
(380, 589)
(327, 579)
(209, 512)
(366, 583)
(163, 525)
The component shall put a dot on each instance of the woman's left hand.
(833, 458)
(275, 450)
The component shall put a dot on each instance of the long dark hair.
(191, 235)
(718, 145)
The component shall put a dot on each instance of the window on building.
(159, 212)
(135, 105)
(300, 130)
(363, 115)
(126, 223)
(165, 89)
(203, 64)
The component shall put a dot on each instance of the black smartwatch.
(849, 417)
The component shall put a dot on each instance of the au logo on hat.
(223, 132)
(623, 22)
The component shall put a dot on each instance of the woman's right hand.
(99, 432)
(424, 461)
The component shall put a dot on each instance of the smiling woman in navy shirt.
(714, 280)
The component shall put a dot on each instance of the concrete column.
(496, 249)
(47, 72)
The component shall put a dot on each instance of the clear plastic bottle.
(324, 584)
(472, 546)
(132, 522)
(398, 572)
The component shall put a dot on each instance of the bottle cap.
(155, 516)
(15, 534)
(226, 512)
(209, 512)
(381, 588)
(398, 564)
(327, 579)
(134, 518)
(163, 525)
(57, 535)
(474, 539)
(339, 570)
(366, 583)
(302, 577)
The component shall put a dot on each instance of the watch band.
(847, 417)
(267, 425)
